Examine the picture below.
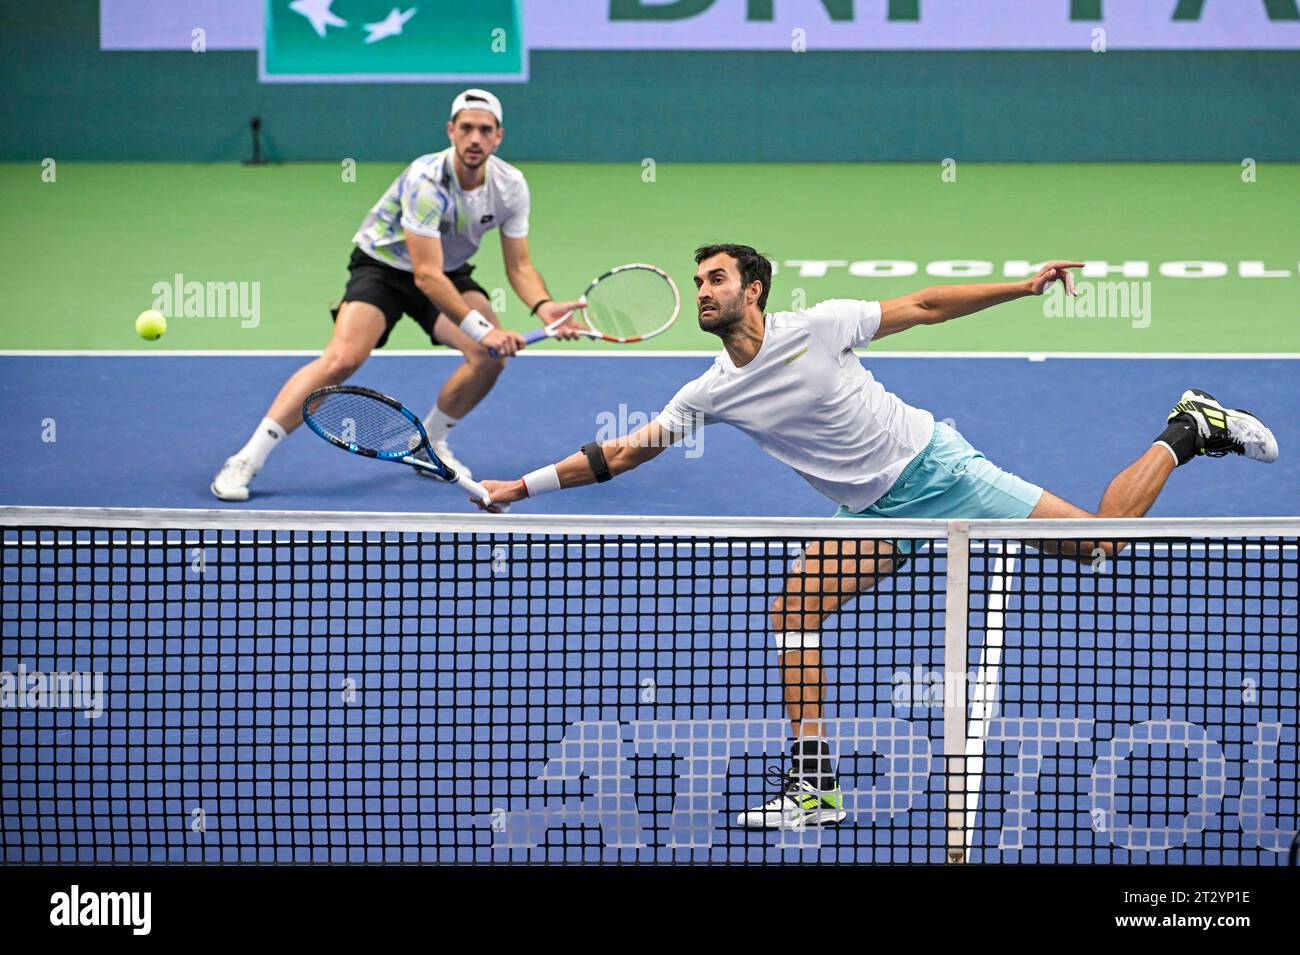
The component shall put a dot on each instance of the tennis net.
(218, 687)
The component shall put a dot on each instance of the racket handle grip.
(478, 490)
(532, 338)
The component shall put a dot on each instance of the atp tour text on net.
(603, 756)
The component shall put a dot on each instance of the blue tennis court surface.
(145, 432)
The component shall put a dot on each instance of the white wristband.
(475, 325)
(542, 481)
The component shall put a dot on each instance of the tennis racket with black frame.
(374, 425)
(629, 303)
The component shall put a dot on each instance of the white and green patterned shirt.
(426, 199)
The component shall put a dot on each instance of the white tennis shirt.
(808, 402)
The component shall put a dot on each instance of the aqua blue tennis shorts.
(949, 479)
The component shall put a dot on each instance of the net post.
(956, 606)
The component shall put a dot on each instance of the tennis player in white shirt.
(791, 381)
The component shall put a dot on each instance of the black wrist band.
(533, 310)
(596, 458)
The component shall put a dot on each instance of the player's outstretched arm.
(930, 306)
(596, 462)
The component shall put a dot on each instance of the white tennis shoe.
(231, 482)
(447, 457)
(1225, 430)
(799, 805)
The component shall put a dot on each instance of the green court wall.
(66, 99)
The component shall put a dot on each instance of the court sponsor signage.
(490, 40)
(811, 25)
(388, 41)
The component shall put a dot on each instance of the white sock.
(262, 443)
(438, 425)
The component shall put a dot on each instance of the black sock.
(811, 759)
(1181, 437)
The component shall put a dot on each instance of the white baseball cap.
(477, 99)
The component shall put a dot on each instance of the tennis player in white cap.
(412, 258)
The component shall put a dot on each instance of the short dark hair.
(754, 266)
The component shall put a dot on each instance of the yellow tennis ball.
(151, 324)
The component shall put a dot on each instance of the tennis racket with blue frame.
(371, 424)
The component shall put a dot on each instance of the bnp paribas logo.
(393, 41)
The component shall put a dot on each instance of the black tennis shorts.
(393, 292)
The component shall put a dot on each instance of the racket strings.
(632, 303)
(364, 421)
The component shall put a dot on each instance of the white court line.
(984, 706)
(629, 353)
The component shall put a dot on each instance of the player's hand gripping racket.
(629, 303)
(374, 425)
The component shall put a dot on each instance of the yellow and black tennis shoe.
(1221, 430)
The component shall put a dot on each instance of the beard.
(729, 314)
(471, 162)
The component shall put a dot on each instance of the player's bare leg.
(357, 330)
(833, 572)
(830, 573)
(1129, 494)
(1197, 426)
(468, 384)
